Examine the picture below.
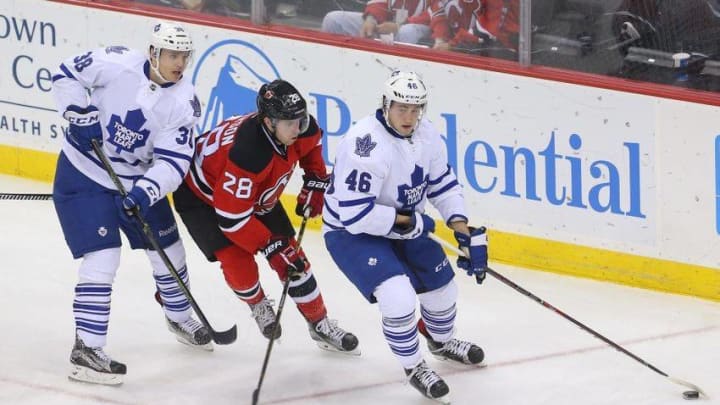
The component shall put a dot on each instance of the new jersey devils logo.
(269, 197)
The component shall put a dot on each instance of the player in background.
(230, 205)
(387, 167)
(142, 109)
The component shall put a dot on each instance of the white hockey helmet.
(172, 36)
(404, 87)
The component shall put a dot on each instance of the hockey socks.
(91, 309)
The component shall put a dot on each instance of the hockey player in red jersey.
(230, 205)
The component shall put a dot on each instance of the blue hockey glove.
(84, 126)
(136, 200)
(420, 224)
(475, 245)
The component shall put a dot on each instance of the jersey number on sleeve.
(239, 187)
(185, 136)
(358, 182)
(82, 61)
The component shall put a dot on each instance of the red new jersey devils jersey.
(241, 171)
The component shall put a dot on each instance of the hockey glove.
(84, 126)
(136, 200)
(284, 258)
(311, 195)
(420, 224)
(475, 246)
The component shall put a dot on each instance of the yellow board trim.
(582, 261)
(27, 163)
(513, 249)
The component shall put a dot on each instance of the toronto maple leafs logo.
(364, 145)
(195, 104)
(127, 135)
(116, 49)
(410, 195)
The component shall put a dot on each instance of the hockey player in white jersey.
(142, 109)
(387, 167)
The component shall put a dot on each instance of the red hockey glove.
(311, 195)
(284, 258)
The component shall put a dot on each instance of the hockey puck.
(691, 395)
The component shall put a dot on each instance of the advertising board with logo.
(560, 162)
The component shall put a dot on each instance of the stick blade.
(225, 337)
(688, 385)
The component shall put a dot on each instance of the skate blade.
(331, 348)
(451, 361)
(445, 399)
(87, 375)
(208, 347)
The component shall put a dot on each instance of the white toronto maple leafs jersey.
(378, 172)
(147, 128)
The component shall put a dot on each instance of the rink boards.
(570, 178)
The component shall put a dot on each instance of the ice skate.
(264, 315)
(331, 337)
(457, 350)
(425, 380)
(92, 365)
(191, 333)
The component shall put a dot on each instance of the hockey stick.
(286, 286)
(25, 196)
(582, 326)
(221, 338)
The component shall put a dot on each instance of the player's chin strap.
(221, 338)
(157, 72)
(286, 286)
(582, 326)
(156, 69)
